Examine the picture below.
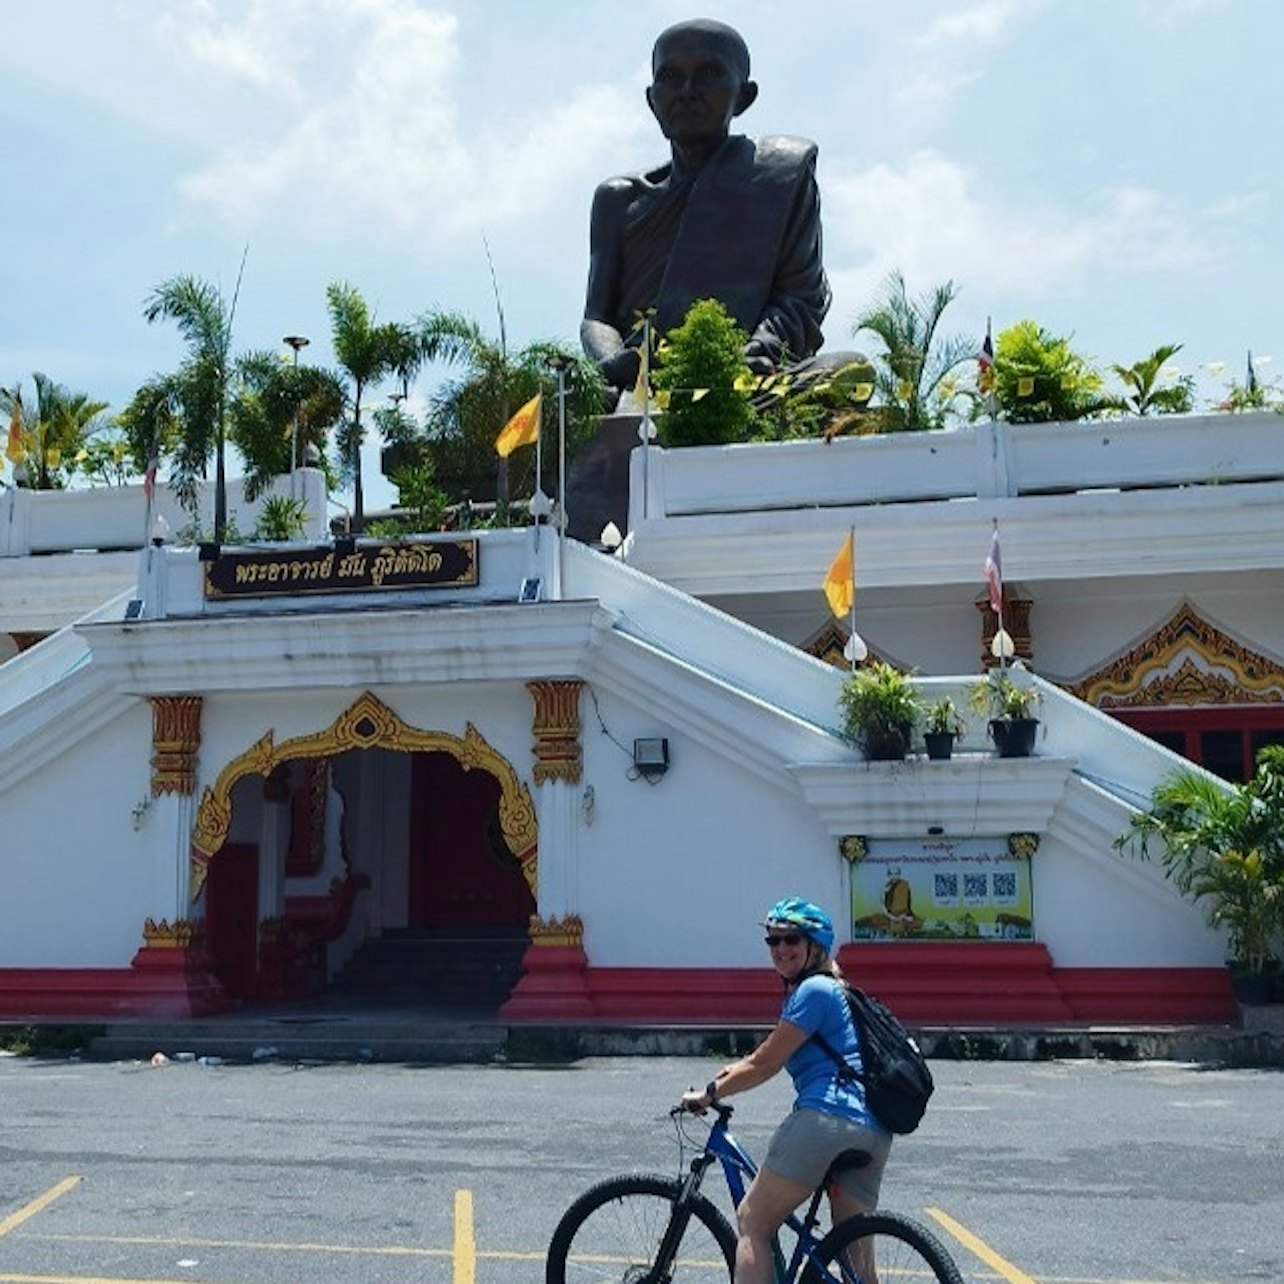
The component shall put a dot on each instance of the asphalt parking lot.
(1059, 1172)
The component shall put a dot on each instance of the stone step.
(477, 967)
(435, 1042)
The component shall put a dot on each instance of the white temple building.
(509, 772)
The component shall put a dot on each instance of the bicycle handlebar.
(723, 1111)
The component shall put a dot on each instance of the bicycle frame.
(738, 1169)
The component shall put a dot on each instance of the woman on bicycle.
(829, 1115)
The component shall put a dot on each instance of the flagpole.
(991, 398)
(851, 560)
(539, 486)
(644, 383)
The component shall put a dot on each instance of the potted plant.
(1011, 704)
(880, 711)
(942, 726)
(1223, 845)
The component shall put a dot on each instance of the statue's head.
(699, 80)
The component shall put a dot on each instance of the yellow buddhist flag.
(840, 581)
(14, 450)
(642, 387)
(522, 429)
(1025, 386)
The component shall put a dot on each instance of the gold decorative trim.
(1023, 846)
(827, 644)
(176, 735)
(853, 848)
(556, 726)
(181, 934)
(368, 723)
(557, 931)
(1186, 661)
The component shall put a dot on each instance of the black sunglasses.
(785, 938)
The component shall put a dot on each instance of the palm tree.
(1223, 845)
(367, 353)
(189, 407)
(1140, 380)
(915, 364)
(276, 404)
(466, 412)
(54, 426)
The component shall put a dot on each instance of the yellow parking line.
(258, 1245)
(980, 1248)
(465, 1243)
(54, 1192)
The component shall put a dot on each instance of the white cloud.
(987, 22)
(386, 143)
(259, 49)
(925, 219)
(931, 88)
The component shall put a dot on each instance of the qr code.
(1005, 887)
(976, 887)
(945, 887)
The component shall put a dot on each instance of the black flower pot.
(886, 744)
(1014, 737)
(1252, 987)
(940, 745)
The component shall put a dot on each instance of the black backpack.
(897, 1081)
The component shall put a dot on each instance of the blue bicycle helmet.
(803, 916)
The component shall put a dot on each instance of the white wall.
(680, 873)
(1107, 910)
(79, 879)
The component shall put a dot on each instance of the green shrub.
(698, 366)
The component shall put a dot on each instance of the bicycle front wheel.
(881, 1247)
(613, 1233)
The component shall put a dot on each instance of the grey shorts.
(804, 1146)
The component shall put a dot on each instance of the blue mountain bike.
(649, 1229)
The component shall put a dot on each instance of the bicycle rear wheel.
(903, 1253)
(613, 1232)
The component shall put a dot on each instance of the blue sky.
(1112, 169)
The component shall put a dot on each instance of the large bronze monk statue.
(727, 217)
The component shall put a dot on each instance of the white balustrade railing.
(986, 460)
(114, 518)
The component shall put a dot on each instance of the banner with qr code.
(941, 889)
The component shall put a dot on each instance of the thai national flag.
(985, 362)
(994, 574)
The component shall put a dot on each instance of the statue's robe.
(745, 231)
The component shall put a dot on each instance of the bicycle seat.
(846, 1161)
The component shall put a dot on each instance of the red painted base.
(949, 985)
(974, 984)
(164, 982)
(552, 986)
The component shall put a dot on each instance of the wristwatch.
(711, 1091)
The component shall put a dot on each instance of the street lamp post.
(558, 364)
(295, 341)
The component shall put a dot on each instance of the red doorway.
(461, 872)
(232, 916)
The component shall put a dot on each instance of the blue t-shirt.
(818, 1005)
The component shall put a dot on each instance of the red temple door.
(232, 916)
(461, 874)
